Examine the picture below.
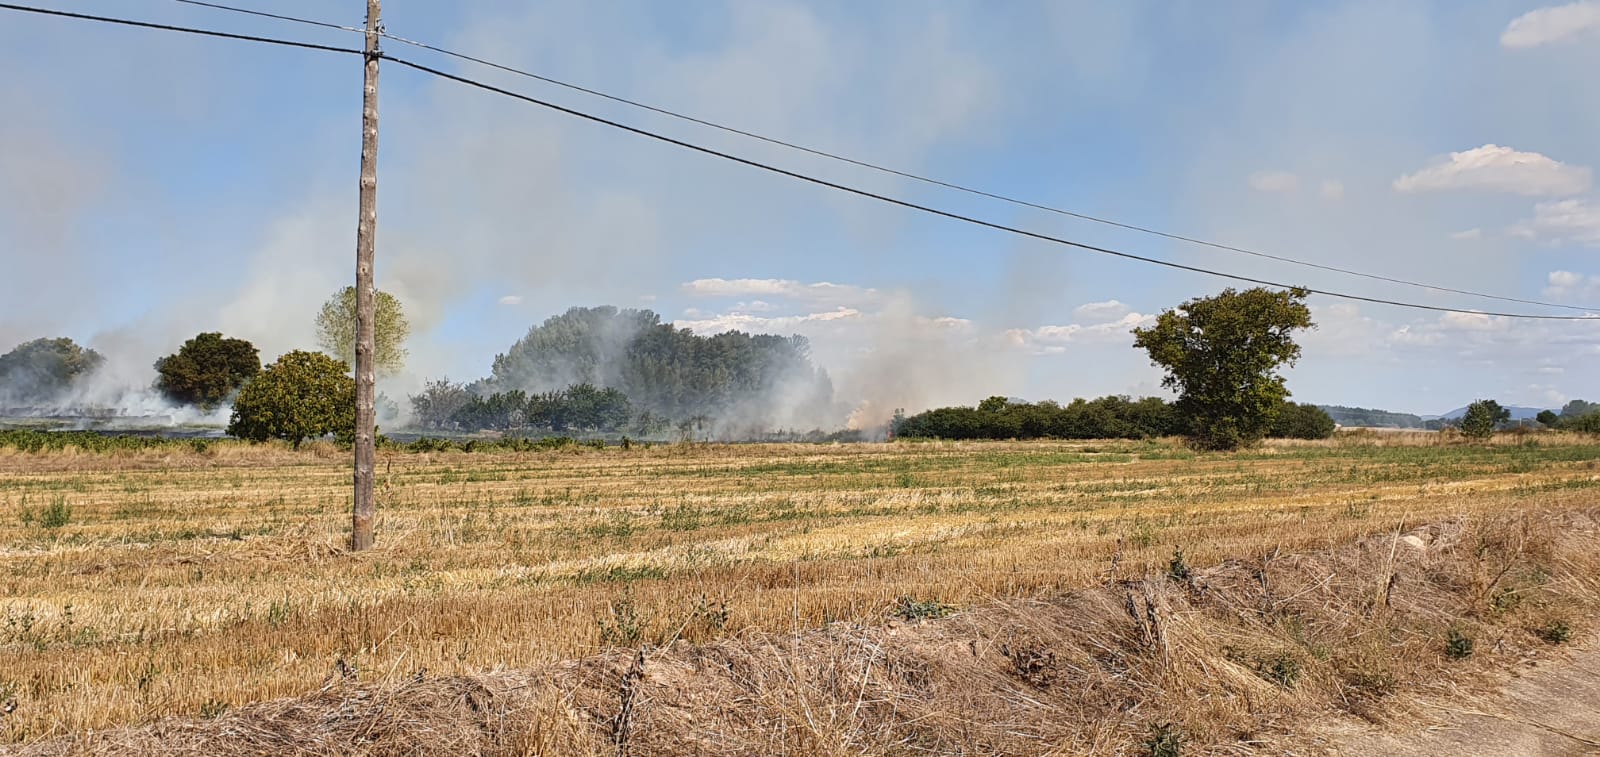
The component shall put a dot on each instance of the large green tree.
(43, 369)
(1482, 417)
(336, 330)
(753, 381)
(1222, 355)
(207, 369)
(302, 396)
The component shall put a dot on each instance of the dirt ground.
(1552, 709)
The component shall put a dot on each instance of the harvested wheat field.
(908, 598)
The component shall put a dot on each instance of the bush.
(1302, 421)
(1587, 424)
(23, 440)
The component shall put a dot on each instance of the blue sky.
(156, 185)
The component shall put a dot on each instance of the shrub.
(1302, 421)
(1587, 424)
(908, 609)
(1113, 417)
(1457, 644)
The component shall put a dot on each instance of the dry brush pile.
(1240, 656)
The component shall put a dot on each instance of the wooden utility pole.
(366, 310)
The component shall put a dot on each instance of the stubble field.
(137, 585)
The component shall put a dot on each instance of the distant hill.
(1517, 413)
(1361, 416)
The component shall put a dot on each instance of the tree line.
(1371, 418)
(580, 407)
(606, 369)
(1112, 417)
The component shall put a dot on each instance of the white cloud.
(511, 299)
(1564, 280)
(1567, 284)
(1467, 235)
(1100, 312)
(706, 324)
(1332, 190)
(1408, 336)
(1274, 181)
(1498, 169)
(820, 293)
(1048, 340)
(1575, 221)
(1472, 322)
(1552, 24)
(1344, 331)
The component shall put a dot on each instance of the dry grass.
(196, 584)
(1236, 658)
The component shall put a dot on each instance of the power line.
(184, 29)
(264, 14)
(896, 172)
(800, 176)
(949, 214)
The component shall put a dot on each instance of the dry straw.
(1242, 656)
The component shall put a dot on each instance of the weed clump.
(1554, 632)
(1177, 569)
(1165, 741)
(1457, 644)
(909, 609)
(626, 625)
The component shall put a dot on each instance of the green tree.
(43, 369)
(336, 330)
(995, 404)
(1222, 354)
(1482, 417)
(207, 369)
(437, 404)
(302, 396)
(1579, 408)
(1547, 418)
